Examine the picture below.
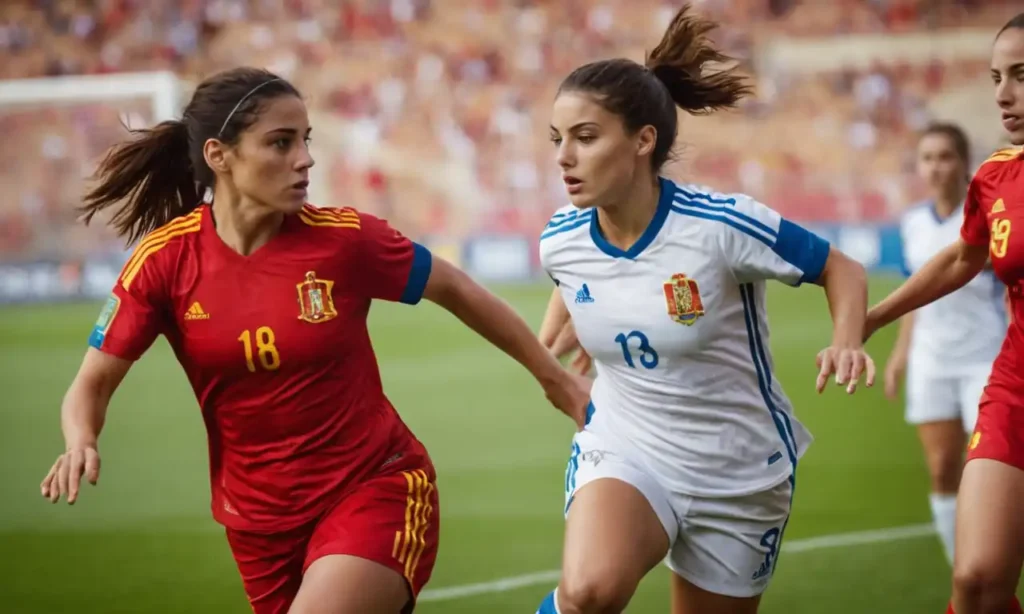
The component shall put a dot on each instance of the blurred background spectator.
(433, 113)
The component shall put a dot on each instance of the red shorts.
(390, 519)
(999, 433)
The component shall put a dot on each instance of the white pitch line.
(839, 540)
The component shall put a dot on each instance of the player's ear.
(216, 155)
(647, 137)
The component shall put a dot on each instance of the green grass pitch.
(143, 540)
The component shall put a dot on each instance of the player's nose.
(305, 160)
(1004, 94)
(565, 157)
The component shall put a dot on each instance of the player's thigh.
(270, 566)
(344, 584)
(392, 521)
(990, 505)
(971, 389)
(930, 397)
(728, 551)
(619, 525)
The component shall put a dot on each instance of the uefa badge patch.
(107, 315)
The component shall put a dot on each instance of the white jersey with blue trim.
(678, 330)
(964, 329)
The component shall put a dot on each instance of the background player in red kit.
(990, 504)
(328, 499)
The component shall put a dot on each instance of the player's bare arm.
(558, 334)
(83, 413)
(950, 270)
(556, 316)
(846, 288)
(495, 321)
(896, 365)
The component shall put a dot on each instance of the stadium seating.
(436, 116)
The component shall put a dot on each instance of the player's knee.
(945, 467)
(594, 592)
(982, 582)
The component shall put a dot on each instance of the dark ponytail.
(161, 173)
(679, 61)
(151, 175)
(674, 75)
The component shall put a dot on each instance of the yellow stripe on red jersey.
(157, 240)
(330, 217)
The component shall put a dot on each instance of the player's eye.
(557, 140)
(586, 138)
(282, 143)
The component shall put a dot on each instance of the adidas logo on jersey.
(583, 295)
(195, 312)
(999, 207)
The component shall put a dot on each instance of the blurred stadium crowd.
(433, 113)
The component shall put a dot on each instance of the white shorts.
(727, 546)
(932, 398)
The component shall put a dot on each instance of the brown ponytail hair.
(151, 174)
(673, 76)
(161, 173)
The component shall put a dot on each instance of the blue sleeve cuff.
(419, 273)
(803, 249)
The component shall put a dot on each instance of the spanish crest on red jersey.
(315, 301)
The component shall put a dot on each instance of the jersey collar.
(668, 190)
(942, 220)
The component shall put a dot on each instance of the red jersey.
(276, 348)
(994, 216)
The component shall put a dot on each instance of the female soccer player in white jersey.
(946, 356)
(690, 445)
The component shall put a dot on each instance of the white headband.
(251, 92)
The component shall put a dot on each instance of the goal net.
(56, 130)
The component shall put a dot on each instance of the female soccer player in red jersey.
(990, 504)
(328, 499)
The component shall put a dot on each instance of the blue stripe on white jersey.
(795, 245)
(697, 205)
(560, 219)
(566, 223)
(764, 374)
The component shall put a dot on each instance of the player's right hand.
(571, 395)
(895, 368)
(66, 474)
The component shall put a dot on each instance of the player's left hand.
(64, 478)
(848, 364)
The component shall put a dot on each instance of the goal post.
(163, 89)
(56, 130)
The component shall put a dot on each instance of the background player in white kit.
(945, 353)
(690, 445)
